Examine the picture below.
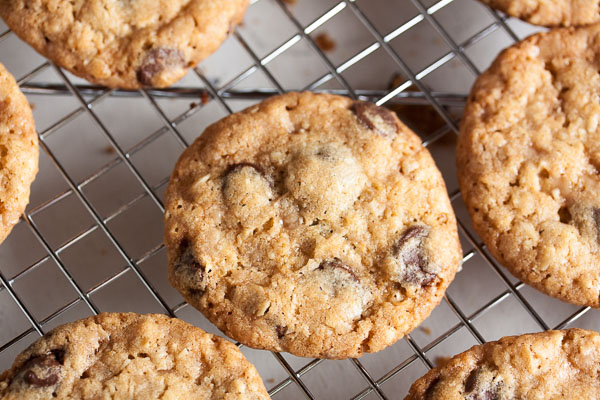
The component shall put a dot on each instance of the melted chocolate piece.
(43, 370)
(479, 390)
(336, 263)
(376, 118)
(431, 388)
(413, 256)
(596, 218)
(156, 61)
(186, 257)
(281, 331)
(186, 264)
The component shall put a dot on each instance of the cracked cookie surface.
(529, 161)
(550, 12)
(131, 356)
(547, 365)
(126, 44)
(311, 224)
(18, 152)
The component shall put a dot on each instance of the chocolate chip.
(409, 250)
(376, 118)
(43, 370)
(481, 389)
(336, 263)
(471, 381)
(281, 331)
(186, 264)
(156, 61)
(186, 257)
(584, 217)
(431, 389)
(596, 217)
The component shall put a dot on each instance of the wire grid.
(458, 322)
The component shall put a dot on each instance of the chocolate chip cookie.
(127, 44)
(550, 12)
(18, 152)
(548, 365)
(311, 224)
(131, 356)
(529, 162)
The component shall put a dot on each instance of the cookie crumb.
(109, 150)
(325, 42)
(425, 330)
(204, 97)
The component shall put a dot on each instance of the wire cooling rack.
(91, 239)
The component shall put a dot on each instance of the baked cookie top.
(547, 365)
(18, 152)
(529, 158)
(131, 356)
(126, 44)
(550, 12)
(311, 224)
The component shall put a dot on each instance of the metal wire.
(222, 94)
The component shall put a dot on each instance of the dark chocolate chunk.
(480, 390)
(156, 61)
(43, 370)
(431, 389)
(281, 331)
(471, 381)
(336, 263)
(585, 217)
(376, 118)
(186, 264)
(596, 217)
(186, 257)
(409, 250)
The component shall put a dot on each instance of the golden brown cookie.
(547, 365)
(131, 356)
(550, 12)
(18, 152)
(126, 44)
(312, 224)
(529, 162)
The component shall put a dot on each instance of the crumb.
(440, 361)
(290, 2)
(425, 330)
(270, 380)
(32, 106)
(193, 105)
(109, 149)
(397, 80)
(325, 42)
(204, 97)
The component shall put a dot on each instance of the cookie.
(529, 161)
(131, 356)
(550, 12)
(311, 224)
(18, 152)
(547, 365)
(125, 44)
